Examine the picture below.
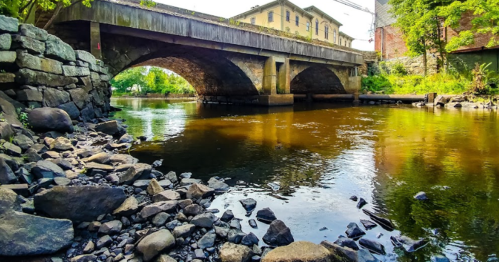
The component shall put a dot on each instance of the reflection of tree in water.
(467, 211)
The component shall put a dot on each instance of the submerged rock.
(346, 242)
(278, 234)
(373, 246)
(383, 222)
(408, 244)
(362, 202)
(83, 203)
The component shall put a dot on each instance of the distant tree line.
(151, 80)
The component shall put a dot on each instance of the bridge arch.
(210, 72)
(317, 79)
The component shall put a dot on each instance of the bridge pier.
(272, 83)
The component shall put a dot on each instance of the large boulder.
(27, 235)
(151, 245)
(278, 234)
(84, 203)
(235, 253)
(47, 169)
(298, 251)
(50, 119)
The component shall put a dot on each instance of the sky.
(356, 24)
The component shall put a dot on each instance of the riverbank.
(72, 193)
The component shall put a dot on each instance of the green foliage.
(23, 8)
(485, 21)
(147, 3)
(23, 117)
(153, 81)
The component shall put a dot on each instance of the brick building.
(391, 46)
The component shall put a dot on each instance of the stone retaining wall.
(38, 69)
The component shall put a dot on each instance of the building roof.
(345, 35)
(317, 10)
(271, 4)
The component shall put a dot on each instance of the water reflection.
(320, 155)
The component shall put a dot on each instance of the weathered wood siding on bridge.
(130, 16)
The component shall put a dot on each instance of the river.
(306, 161)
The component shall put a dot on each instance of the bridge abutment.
(276, 86)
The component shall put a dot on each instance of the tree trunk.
(425, 59)
(56, 12)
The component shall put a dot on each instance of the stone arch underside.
(317, 80)
(208, 71)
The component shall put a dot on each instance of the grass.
(439, 83)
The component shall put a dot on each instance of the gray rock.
(151, 245)
(227, 216)
(28, 235)
(249, 204)
(198, 191)
(7, 57)
(172, 176)
(75, 71)
(166, 196)
(346, 242)
(53, 97)
(230, 252)
(184, 231)
(7, 176)
(217, 185)
(85, 56)
(73, 202)
(12, 149)
(55, 48)
(101, 158)
(5, 41)
(208, 240)
(160, 219)
(193, 210)
(111, 227)
(111, 128)
(266, 215)
(104, 241)
(23, 141)
(25, 60)
(33, 32)
(6, 131)
(250, 240)
(126, 138)
(278, 234)
(79, 97)
(134, 173)
(27, 76)
(47, 169)
(61, 181)
(354, 231)
(61, 144)
(50, 119)
(153, 209)
(129, 206)
(30, 95)
(372, 246)
(8, 24)
(32, 45)
(71, 109)
(204, 220)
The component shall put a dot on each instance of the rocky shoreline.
(79, 196)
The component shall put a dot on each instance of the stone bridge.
(221, 61)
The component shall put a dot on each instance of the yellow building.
(310, 22)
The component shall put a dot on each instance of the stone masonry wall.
(40, 70)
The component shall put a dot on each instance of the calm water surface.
(306, 161)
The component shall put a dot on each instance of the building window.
(317, 26)
(308, 26)
(271, 16)
(297, 21)
(287, 16)
(253, 20)
(326, 32)
(334, 36)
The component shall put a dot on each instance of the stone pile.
(39, 70)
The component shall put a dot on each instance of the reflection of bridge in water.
(221, 62)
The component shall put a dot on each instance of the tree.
(128, 78)
(485, 21)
